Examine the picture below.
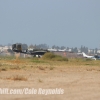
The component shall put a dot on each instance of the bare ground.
(78, 82)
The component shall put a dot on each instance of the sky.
(69, 23)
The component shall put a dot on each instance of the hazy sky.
(69, 23)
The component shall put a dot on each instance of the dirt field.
(79, 81)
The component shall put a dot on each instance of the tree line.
(73, 49)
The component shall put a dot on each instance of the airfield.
(78, 77)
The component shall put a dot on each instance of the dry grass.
(41, 64)
(40, 81)
(51, 67)
(15, 68)
(0, 65)
(3, 69)
(17, 78)
(41, 68)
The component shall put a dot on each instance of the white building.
(91, 51)
(98, 51)
(5, 48)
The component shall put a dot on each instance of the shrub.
(48, 55)
(51, 56)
